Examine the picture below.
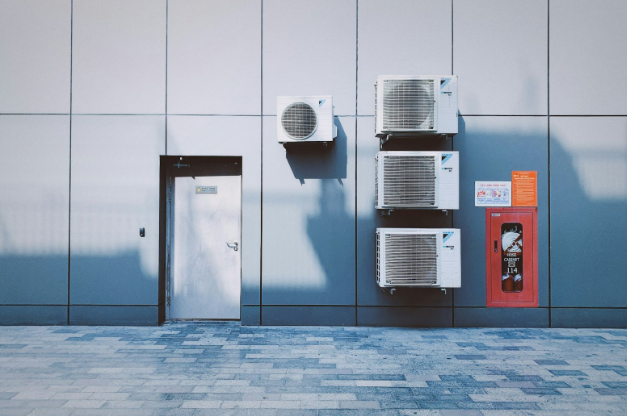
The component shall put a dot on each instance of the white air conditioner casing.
(305, 119)
(418, 257)
(417, 180)
(414, 105)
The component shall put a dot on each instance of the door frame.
(186, 166)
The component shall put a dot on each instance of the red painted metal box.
(512, 257)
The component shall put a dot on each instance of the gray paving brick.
(223, 369)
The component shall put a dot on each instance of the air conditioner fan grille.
(409, 181)
(411, 259)
(299, 120)
(408, 104)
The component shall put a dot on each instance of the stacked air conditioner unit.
(416, 105)
(418, 257)
(305, 119)
(417, 180)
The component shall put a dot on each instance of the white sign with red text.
(493, 194)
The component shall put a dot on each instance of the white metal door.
(205, 250)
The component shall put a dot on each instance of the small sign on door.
(206, 189)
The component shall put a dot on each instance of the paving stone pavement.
(197, 369)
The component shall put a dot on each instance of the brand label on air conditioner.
(446, 235)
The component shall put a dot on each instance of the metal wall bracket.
(384, 140)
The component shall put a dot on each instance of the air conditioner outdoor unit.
(415, 105)
(305, 119)
(417, 180)
(418, 257)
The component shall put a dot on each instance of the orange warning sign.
(525, 188)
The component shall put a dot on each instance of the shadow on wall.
(43, 279)
(329, 164)
(588, 191)
(588, 206)
(314, 161)
(118, 279)
(323, 228)
(315, 202)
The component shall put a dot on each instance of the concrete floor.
(226, 369)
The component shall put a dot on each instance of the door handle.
(233, 245)
(496, 249)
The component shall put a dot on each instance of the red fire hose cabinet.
(512, 257)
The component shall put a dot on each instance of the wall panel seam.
(356, 139)
(69, 221)
(548, 124)
(261, 124)
(167, 16)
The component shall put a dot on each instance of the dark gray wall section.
(404, 316)
(502, 317)
(33, 315)
(33, 279)
(368, 219)
(111, 280)
(588, 211)
(114, 315)
(309, 315)
(251, 315)
(588, 318)
(309, 220)
(490, 148)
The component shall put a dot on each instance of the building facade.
(100, 98)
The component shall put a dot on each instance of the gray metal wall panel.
(309, 220)
(33, 315)
(404, 316)
(500, 56)
(588, 206)
(588, 318)
(115, 191)
(118, 56)
(34, 209)
(368, 219)
(230, 136)
(309, 48)
(35, 56)
(308, 315)
(502, 317)
(401, 37)
(490, 148)
(114, 315)
(251, 315)
(214, 57)
(588, 57)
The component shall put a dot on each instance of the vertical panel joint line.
(356, 112)
(261, 175)
(548, 111)
(167, 14)
(69, 223)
